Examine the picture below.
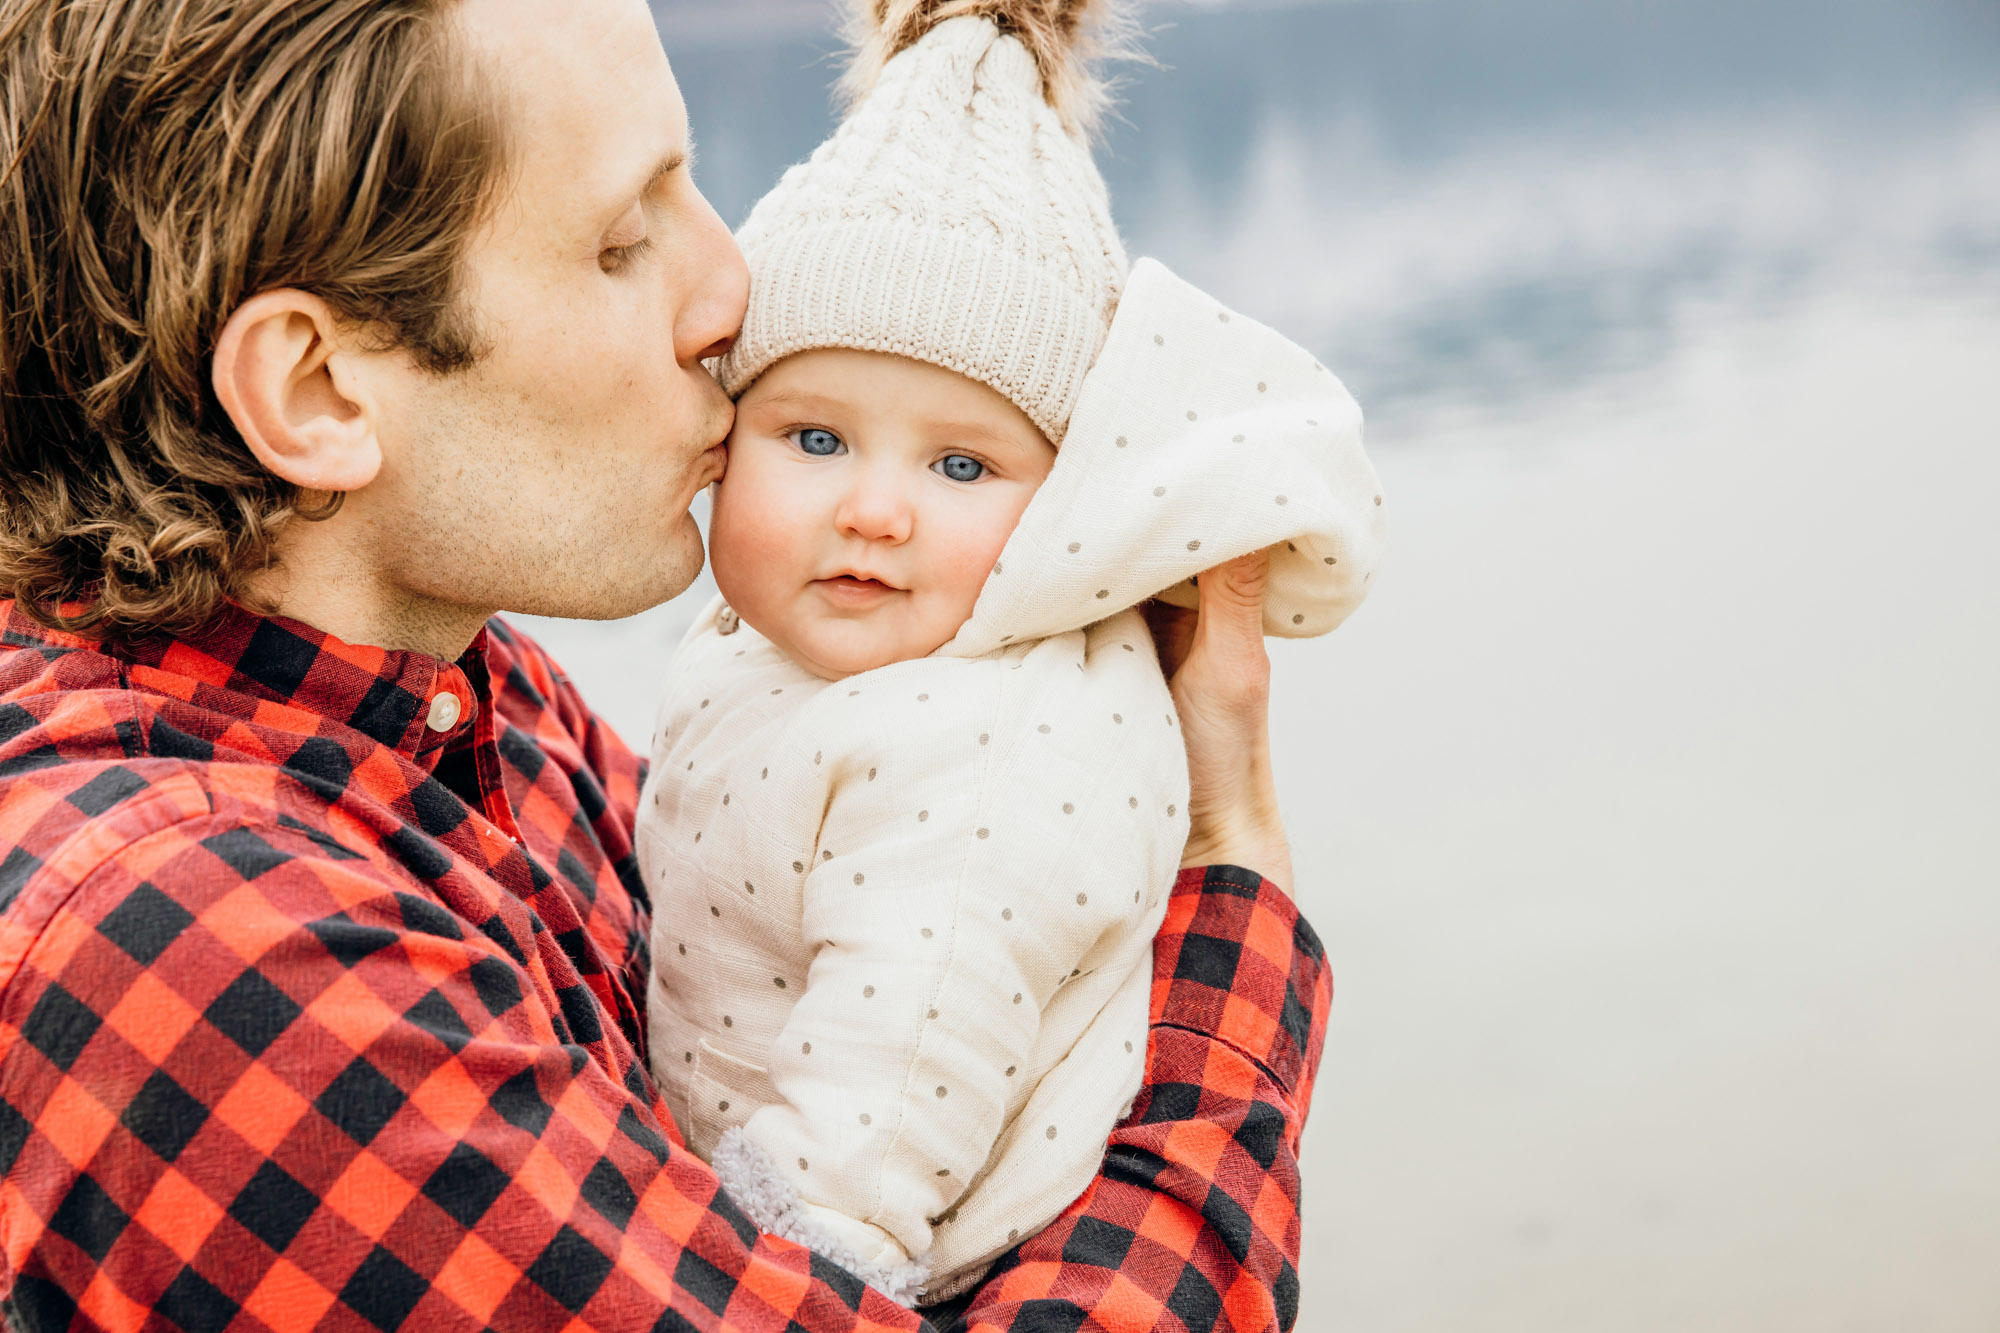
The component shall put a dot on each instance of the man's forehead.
(587, 87)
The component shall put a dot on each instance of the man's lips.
(715, 460)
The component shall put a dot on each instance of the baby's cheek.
(967, 558)
(752, 539)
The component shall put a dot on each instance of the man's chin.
(667, 585)
(614, 593)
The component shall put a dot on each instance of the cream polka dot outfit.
(904, 920)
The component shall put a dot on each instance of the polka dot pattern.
(946, 831)
(1079, 732)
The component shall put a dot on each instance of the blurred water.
(1646, 809)
(1461, 200)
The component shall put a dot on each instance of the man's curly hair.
(161, 161)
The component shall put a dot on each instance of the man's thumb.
(1232, 595)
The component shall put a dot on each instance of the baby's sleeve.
(954, 897)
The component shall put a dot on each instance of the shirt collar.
(413, 703)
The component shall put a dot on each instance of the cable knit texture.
(905, 920)
(952, 219)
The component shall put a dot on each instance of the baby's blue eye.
(819, 443)
(960, 468)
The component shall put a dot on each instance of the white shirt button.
(444, 712)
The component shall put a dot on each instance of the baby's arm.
(965, 886)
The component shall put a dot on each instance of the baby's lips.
(864, 578)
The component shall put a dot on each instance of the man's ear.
(288, 389)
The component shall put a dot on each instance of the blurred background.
(1641, 809)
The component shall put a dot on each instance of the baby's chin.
(837, 651)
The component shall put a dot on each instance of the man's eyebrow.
(669, 164)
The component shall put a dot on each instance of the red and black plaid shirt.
(317, 1015)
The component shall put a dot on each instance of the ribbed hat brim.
(949, 297)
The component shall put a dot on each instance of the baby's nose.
(878, 510)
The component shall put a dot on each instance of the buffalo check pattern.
(320, 1008)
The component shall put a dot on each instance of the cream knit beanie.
(956, 216)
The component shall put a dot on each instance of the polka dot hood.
(1199, 436)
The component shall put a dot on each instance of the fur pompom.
(1069, 39)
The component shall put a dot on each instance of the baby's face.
(866, 501)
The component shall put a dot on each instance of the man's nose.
(712, 315)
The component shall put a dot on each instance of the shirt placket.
(461, 713)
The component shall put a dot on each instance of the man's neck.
(319, 581)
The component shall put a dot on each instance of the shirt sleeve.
(247, 1072)
(1194, 1220)
(243, 1071)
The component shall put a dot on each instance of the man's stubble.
(493, 501)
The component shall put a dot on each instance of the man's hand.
(1221, 680)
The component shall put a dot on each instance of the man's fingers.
(1235, 591)
(1223, 691)
(1173, 634)
(1230, 631)
(1228, 628)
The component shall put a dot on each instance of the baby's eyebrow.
(795, 398)
(959, 430)
(938, 429)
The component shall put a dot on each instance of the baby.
(918, 792)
